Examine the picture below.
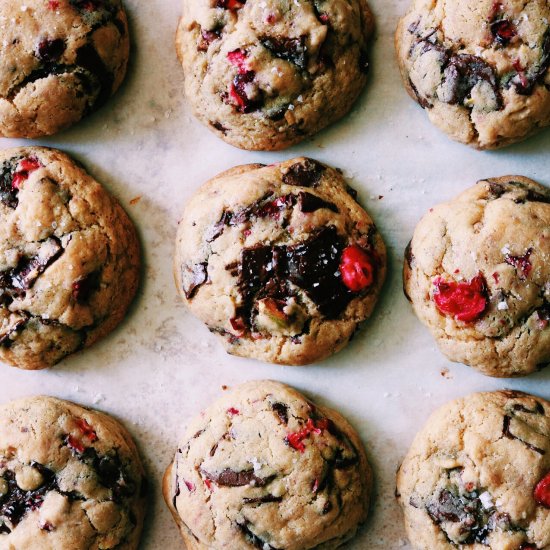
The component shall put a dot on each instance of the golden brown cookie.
(61, 59)
(266, 75)
(263, 467)
(69, 258)
(280, 261)
(478, 475)
(478, 67)
(477, 274)
(70, 478)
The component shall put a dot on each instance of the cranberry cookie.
(69, 258)
(266, 75)
(479, 67)
(263, 467)
(478, 475)
(280, 261)
(61, 59)
(70, 478)
(477, 274)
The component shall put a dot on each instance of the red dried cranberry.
(74, 444)
(524, 81)
(356, 268)
(521, 263)
(238, 58)
(238, 325)
(190, 486)
(24, 168)
(208, 483)
(233, 411)
(230, 4)
(465, 301)
(503, 31)
(542, 491)
(86, 430)
(53, 4)
(237, 92)
(295, 439)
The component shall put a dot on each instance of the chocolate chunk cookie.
(477, 272)
(479, 67)
(280, 261)
(70, 477)
(69, 258)
(263, 467)
(478, 475)
(266, 75)
(61, 59)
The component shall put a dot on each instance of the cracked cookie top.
(478, 475)
(265, 468)
(266, 75)
(479, 67)
(69, 258)
(70, 477)
(280, 260)
(61, 59)
(477, 274)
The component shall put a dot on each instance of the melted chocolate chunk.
(220, 127)
(506, 431)
(289, 49)
(282, 412)
(88, 58)
(16, 502)
(29, 269)
(15, 323)
(263, 500)
(50, 50)
(311, 203)
(231, 478)
(496, 190)
(199, 277)
(8, 193)
(255, 540)
(304, 174)
(463, 72)
(84, 289)
(207, 37)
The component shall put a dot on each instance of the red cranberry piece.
(542, 491)
(238, 58)
(24, 168)
(523, 80)
(464, 301)
(190, 486)
(528, 546)
(74, 444)
(295, 439)
(521, 263)
(238, 325)
(503, 31)
(50, 50)
(356, 268)
(233, 411)
(53, 4)
(230, 4)
(237, 92)
(86, 430)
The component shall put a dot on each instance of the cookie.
(267, 75)
(479, 67)
(61, 59)
(477, 272)
(478, 475)
(280, 261)
(263, 467)
(70, 478)
(69, 258)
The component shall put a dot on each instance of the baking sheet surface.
(162, 365)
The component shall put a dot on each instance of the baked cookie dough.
(70, 478)
(280, 261)
(477, 272)
(69, 258)
(263, 467)
(61, 59)
(478, 475)
(479, 67)
(266, 75)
